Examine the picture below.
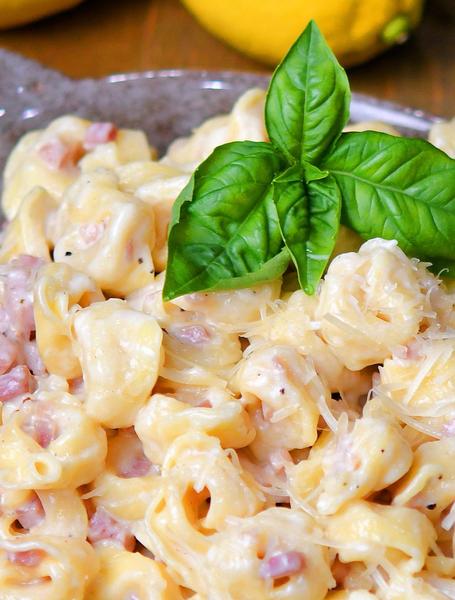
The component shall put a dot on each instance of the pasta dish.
(250, 444)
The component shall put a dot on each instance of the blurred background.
(99, 37)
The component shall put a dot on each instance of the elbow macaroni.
(252, 444)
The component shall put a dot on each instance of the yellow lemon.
(356, 30)
(19, 12)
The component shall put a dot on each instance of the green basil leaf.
(312, 173)
(309, 216)
(397, 188)
(272, 269)
(225, 230)
(308, 99)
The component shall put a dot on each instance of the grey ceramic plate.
(166, 104)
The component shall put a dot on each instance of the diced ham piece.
(8, 353)
(26, 558)
(129, 250)
(76, 386)
(283, 564)
(448, 429)
(92, 232)
(99, 133)
(133, 462)
(25, 261)
(4, 318)
(267, 412)
(19, 276)
(279, 364)
(192, 334)
(410, 352)
(15, 383)
(58, 155)
(280, 459)
(41, 428)
(138, 466)
(31, 513)
(104, 527)
(204, 404)
(32, 358)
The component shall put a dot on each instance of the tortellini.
(373, 533)
(46, 158)
(105, 233)
(196, 468)
(129, 480)
(269, 555)
(233, 307)
(124, 574)
(285, 394)
(430, 483)
(58, 290)
(370, 302)
(245, 122)
(50, 445)
(417, 385)
(158, 185)
(120, 353)
(291, 322)
(164, 419)
(45, 567)
(30, 230)
(346, 465)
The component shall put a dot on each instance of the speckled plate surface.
(166, 104)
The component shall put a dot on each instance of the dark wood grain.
(104, 36)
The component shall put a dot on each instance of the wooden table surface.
(105, 36)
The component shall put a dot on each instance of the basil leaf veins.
(308, 99)
(397, 188)
(225, 230)
(309, 216)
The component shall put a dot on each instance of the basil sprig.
(251, 207)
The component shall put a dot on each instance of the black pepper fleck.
(140, 260)
(431, 506)
(382, 450)
(68, 253)
(281, 390)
